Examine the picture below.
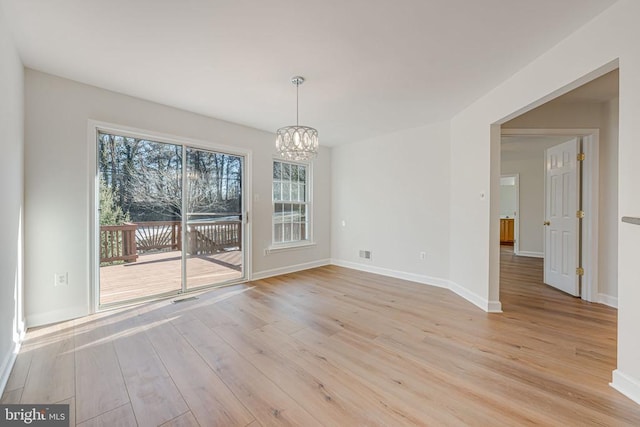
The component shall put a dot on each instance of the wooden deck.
(159, 273)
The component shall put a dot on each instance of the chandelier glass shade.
(297, 142)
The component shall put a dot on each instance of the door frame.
(590, 198)
(516, 217)
(93, 126)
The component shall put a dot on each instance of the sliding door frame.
(95, 126)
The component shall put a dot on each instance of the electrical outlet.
(423, 255)
(61, 279)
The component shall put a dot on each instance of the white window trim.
(300, 244)
(275, 248)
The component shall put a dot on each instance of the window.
(291, 204)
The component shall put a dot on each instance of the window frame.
(295, 244)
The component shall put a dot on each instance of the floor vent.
(175, 301)
(365, 254)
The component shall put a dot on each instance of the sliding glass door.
(147, 246)
(214, 217)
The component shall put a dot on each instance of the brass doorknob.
(546, 223)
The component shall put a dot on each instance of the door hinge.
(581, 157)
(580, 271)
(579, 214)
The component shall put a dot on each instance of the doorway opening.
(524, 150)
(595, 107)
(509, 206)
(170, 217)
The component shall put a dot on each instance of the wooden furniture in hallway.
(506, 231)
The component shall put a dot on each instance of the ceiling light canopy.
(297, 142)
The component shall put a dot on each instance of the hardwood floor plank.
(265, 399)
(121, 416)
(100, 386)
(72, 409)
(338, 384)
(11, 396)
(185, 420)
(210, 400)
(319, 399)
(399, 378)
(267, 314)
(18, 377)
(52, 368)
(154, 397)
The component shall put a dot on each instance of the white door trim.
(590, 192)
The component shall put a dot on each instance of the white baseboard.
(412, 277)
(494, 307)
(530, 254)
(488, 306)
(56, 316)
(477, 300)
(289, 269)
(608, 300)
(8, 361)
(626, 385)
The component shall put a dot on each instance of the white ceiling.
(602, 89)
(513, 146)
(372, 66)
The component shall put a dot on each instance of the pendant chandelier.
(297, 142)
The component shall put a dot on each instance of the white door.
(561, 223)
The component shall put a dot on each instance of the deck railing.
(212, 237)
(126, 242)
(159, 235)
(118, 243)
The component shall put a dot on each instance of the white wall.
(11, 192)
(591, 51)
(392, 192)
(508, 200)
(57, 187)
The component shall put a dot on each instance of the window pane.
(290, 210)
(277, 233)
(277, 190)
(278, 213)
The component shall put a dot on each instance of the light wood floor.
(159, 273)
(335, 347)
